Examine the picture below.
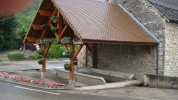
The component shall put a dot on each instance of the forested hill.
(14, 27)
(24, 19)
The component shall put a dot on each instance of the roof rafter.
(44, 13)
(48, 24)
(36, 27)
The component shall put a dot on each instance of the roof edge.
(164, 4)
(118, 42)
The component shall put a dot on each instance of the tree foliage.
(24, 19)
(16, 26)
(7, 33)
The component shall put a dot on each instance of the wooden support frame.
(77, 51)
(59, 35)
(44, 53)
(72, 62)
(44, 13)
(49, 21)
(112, 42)
(65, 47)
(36, 27)
(59, 25)
(89, 46)
(72, 58)
(31, 39)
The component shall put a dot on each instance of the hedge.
(13, 56)
(35, 56)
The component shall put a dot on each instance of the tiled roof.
(98, 22)
(168, 8)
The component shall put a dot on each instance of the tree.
(15, 27)
(7, 33)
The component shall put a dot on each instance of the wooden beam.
(59, 25)
(48, 24)
(45, 13)
(89, 46)
(36, 27)
(72, 62)
(78, 50)
(44, 64)
(62, 32)
(44, 53)
(31, 39)
(43, 48)
(111, 42)
(65, 47)
(47, 49)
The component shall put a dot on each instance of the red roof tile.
(93, 20)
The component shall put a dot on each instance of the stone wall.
(171, 49)
(82, 57)
(135, 59)
(86, 57)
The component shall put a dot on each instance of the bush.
(15, 56)
(55, 51)
(67, 66)
(40, 61)
(35, 56)
(0, 60)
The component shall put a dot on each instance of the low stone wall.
(161, 81)
(83, 78)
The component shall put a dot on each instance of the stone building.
(160, 17)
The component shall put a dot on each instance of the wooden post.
(44, 62)
(44, 53)
(71, 63)
(43, 66)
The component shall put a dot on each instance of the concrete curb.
(113, 73)
(112, 85)
(84, 78)
(169, 82)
